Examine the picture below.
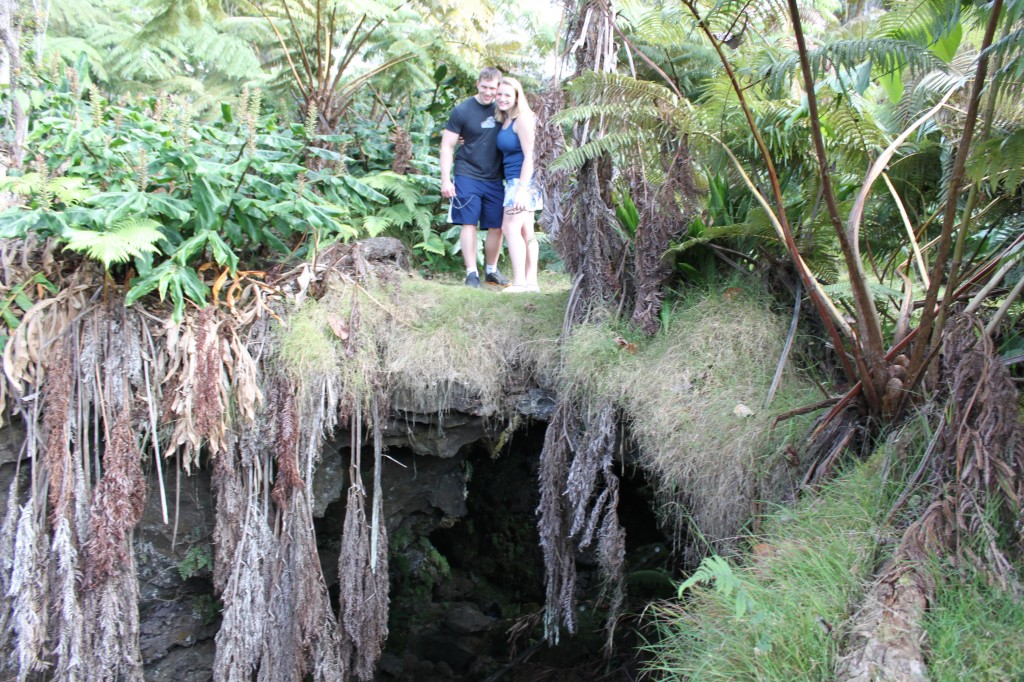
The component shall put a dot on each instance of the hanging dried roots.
(113, 376)
(579, 497)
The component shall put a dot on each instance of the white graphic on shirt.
(488, 123)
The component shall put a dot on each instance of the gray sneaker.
(496, 278)
(473, 280)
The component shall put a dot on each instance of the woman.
(522, 197)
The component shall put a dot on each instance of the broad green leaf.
(190, 247)
(945, 46)
(892, 83)
(169, 207)
(23, 301)
(118, 205)
(326, 154)
(17, 222)
(334, 138)
(222, 253)
(209, 204)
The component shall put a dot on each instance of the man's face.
(485, 91)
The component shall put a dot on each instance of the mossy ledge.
(351, 363)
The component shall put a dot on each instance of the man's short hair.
(489, 73)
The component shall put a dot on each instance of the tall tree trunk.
(10, 70)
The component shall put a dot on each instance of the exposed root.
(887, 640)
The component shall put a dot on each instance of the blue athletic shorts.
(477, 202)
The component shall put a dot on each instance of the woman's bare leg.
(532, 250)
(517, 247)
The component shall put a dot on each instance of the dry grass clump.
(457, 342)
(335, 338)
(694, 397)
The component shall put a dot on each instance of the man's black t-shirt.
(478, 156)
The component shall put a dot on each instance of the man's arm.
(448, 141)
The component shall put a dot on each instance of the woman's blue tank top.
(511, 150)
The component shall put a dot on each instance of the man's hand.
(448, 189)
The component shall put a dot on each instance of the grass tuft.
(439, 345)
(694, 395)
(799, 585)
(456, 342)
(974, 631)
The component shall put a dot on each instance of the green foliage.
(192, 49)
(142, 180)
(773, 618)
(717, 572)
(974, 631)
(198, 561)
(207, 607)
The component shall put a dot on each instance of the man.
(475, 188)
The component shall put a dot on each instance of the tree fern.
(608, 144)
(999, 161)
(922, 23)
(886, 55)
(126, 239)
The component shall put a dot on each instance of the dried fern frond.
(559, 556)
(8, 535)
(112, 612)
(56, 419)
(241, 570)
(29, 587)
(68, 628)
(117, 504)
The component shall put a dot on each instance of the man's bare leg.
(467, 239)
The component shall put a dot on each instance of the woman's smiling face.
(506, 97)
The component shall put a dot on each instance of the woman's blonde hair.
(522, 106)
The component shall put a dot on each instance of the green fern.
(999, 161)
(66, 190)
(126, 239)
(717, 572)
(609, 144)
(397, 186)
